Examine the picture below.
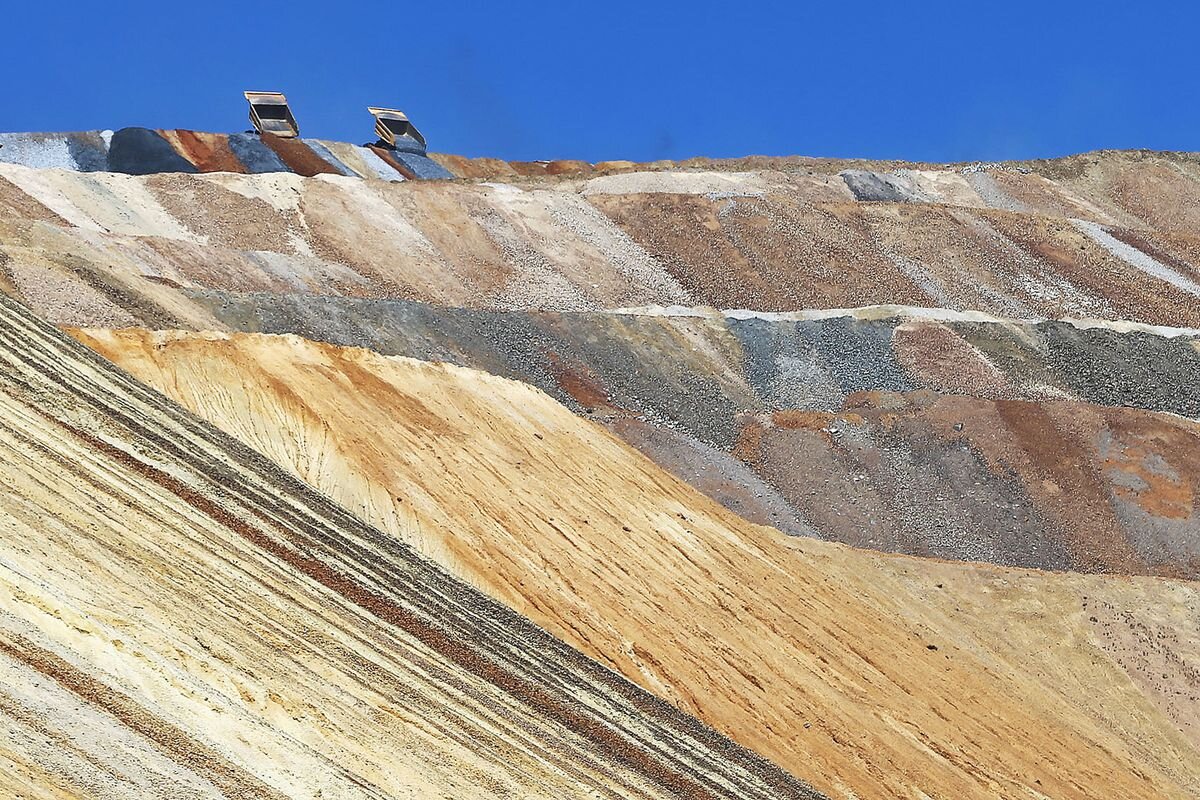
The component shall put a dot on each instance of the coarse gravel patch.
(254, 155)
(1131, 255)
(875, 187)
(859, 354)
(992, 194)
(324, 152)
(36, 150)
(1125, 369)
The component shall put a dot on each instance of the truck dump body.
(270, 113)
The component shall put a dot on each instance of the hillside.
(1103, 243)
(392, 474)
(181, 618)
(870, 676)
(1041, 445)
(527, 279)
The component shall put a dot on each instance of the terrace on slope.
(809, 426)
(875, 676)
(1019, 444)
(1100, 246)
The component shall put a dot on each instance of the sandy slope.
(872, 676)
(1111, 236)
(180, 618)
(1022, 444)
(1114, 237)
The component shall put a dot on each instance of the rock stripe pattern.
(583, 726)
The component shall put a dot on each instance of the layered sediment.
(523, 279)
(344, 572)
(182, 617)
(868, 675)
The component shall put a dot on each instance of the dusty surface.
(185, 618)
(1067, 239)
(1015, 443)
(342, 259)
(179, 617)
(872, 676)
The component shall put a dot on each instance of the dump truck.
(269, 113)
(393, 126)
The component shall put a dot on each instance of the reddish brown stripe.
(209, 152)
(230, 779)
(298, 156)
(391, 161)
(459, 652)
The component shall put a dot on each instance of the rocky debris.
(952, 432)
(140, 151)
(310, 636)
(766, 241)
(684, 388)
(740, 625)
(879, 188)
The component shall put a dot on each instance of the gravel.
(324, 152)
(422, 166)
(255, 155)
(40, 150)
(878, 187)
(141, 151)
(1131, 255)
(995, 197)
(859, 354)
(1134, 369)
(89, 150)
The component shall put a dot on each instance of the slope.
(713, 400)
(181, 618)
(875, 676)
(928, 433)
(142, 151)
(1091, 240)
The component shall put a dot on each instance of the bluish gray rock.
(141, 151)
(255, 156)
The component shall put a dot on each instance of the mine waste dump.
(366, 471)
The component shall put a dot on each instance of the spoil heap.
(182, 618)
(868, 675)
(979, 363)
(979, 436)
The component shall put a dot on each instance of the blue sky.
(935, 81)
